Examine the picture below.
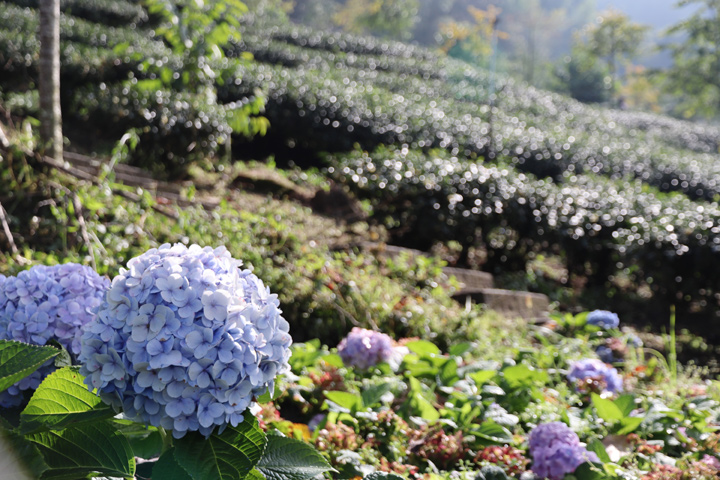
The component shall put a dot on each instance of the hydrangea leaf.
(60, 400)
(423, 347)
(629, 425)
(22, 458)
(626, 404)
(373, 394)
(88, 448)
(289, 459)
(229, 455)
(18, 360)
(482, 377)
(606, 409)
(168, 468)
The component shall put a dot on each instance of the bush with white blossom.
(185, 340)
(47, 303)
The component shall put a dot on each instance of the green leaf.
(518, 376)
(289, 459)
(29, 461)
(460, 349)
(596, 446)
(629, 425)
(482, 377)
(606, 409)
(60, 400)
(229, 455)
(490, 430)
(346, 400)
(167, 468)
(589, 471)
(18, 360)
(333, 360)
(78, 451)
(626, 404)
(423, 347)
(448, 373)
(372, 395)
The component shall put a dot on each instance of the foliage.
(583, 78)
(472, 41)
(693, 75)
(384, 18)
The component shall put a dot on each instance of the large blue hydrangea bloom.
(364, 348)
(603, 319)
(592, 368)
(185, 340)
(45, 303)
(556, 451)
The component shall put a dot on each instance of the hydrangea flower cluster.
(185, 340)
(364, 348)
(45, 303)
(603, 319)
(592, 369)
(556, 451)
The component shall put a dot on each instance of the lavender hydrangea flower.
(603, 319)
(45, 303)
(594, 369)
(364, 348)
(556, 451)
(185, 339)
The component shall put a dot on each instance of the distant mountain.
(658, 14)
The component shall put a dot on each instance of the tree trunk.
(49, 82)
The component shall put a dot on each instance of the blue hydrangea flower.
(45, 303)
(594, 369)
(364, 348)
(185, 339)
(603, 319)
(556, 451)
(606, 354)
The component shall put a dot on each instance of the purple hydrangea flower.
(45, 303)
(364, 348)
(185, 339)
(595, 369)
(603, 319)
(556, 451)
(606, 354)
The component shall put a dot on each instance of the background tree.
(49, 81)
(471, 41)
(383, 18)
(583, 77)
(614, 37)
(695, 74)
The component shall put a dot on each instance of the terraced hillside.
(482, 161)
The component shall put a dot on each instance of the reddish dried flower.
(664, 472)
(437, 446)
(337, 436)
(267, 415)
(511, 459)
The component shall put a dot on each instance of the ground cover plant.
(132, 345)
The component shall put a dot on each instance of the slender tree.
(49, 84)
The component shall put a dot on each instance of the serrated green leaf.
(226, 456)
(61, 400)
(372, 395)
(346, 400)
(423, 347)
(89, 448)
(460, 349)
(18, 360)
(606, 409)
(448, 372)
(289, 459)
(168, 468)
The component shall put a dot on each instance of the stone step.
(525, 305)
(470, 279)
(392, 251)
